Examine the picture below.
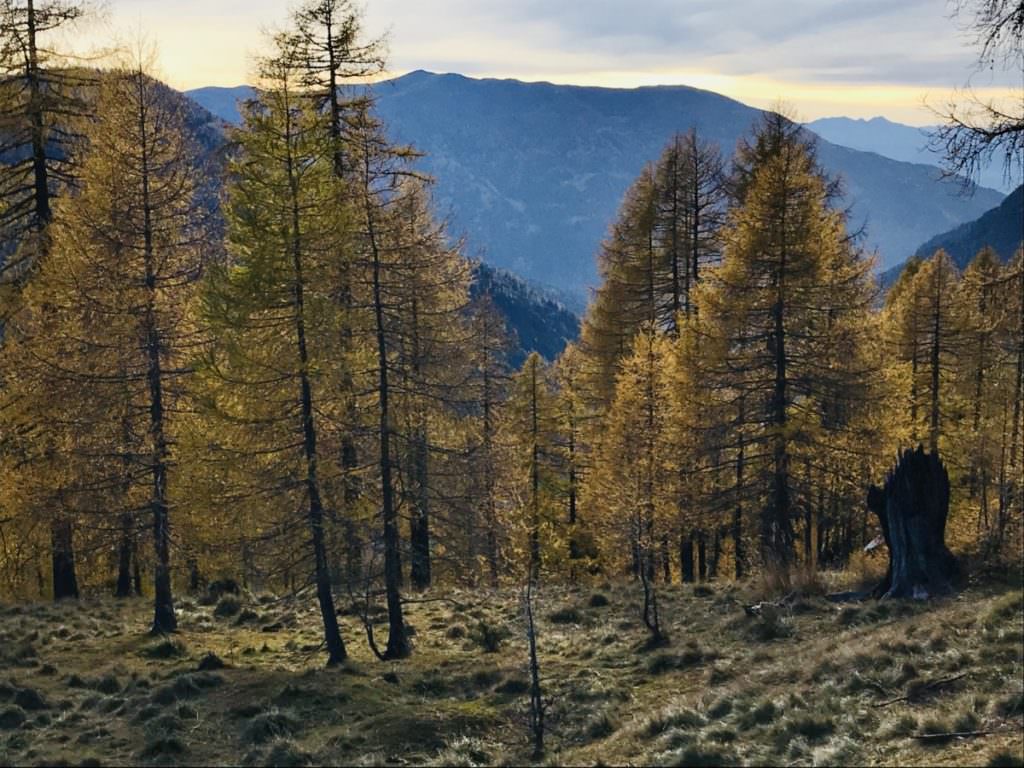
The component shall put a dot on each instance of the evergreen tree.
(572, 426)
(665, 235)
(42, 104)
(635, 471)
(104, 329)
(380, 171)
(529, 426)
(327, 41)
(1008, 427)
(927, 331)
(489, 347)
(979, 319)
(274, 321)
(790, 284)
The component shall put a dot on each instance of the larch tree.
(1007, 429)
(328, 39)
(274, 323)
(665, 238)
(698, 452)
(634, 469)
(978, 366)
(573, 420)
(788, 281)
(105, 326)
(334, 56)
(42, 105)
(665, 235)
(428, 293)
(935, 328)
(488, 348)
(903, 331)
(380, 172)
(689, 179)
(529, 424)
(146, 187)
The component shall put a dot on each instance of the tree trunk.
(934, 362)
(398, 641)
(912, 509)
(124, 557)
(575, 552)
(702, 555)
(1016, 459)
(136, 570)
(352, 492)
(537, 704)
(419, 538)
(738, 553)
(490, 508)
(164, 619)
(336, 652)
(65, 581)
(776, 525)
(419, 568)
(195, 578)
(716, 554)
(686, 558)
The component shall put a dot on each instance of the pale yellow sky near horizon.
(603, 43)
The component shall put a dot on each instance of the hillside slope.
(1001, 228)
(818, 684)
(897, 141)
(534, 173)
(534, 319)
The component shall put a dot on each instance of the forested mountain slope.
(1001, 228)
(536, 320)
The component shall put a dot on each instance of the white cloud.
(904, 47)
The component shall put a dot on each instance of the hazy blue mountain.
(1002, 229)
(533, 173)
(896, 141)
(222, 102)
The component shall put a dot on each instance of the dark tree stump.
(912, 508)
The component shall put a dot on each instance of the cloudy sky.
(823, 57)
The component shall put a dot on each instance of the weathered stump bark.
(912, 509)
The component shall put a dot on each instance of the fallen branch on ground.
(930, 686)
(945, 736)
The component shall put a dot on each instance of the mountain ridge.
(897, 141)
(534, 173)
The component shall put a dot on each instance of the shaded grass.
(725, 696)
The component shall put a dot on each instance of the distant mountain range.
(533, 173)
(1001, 229)
(899, 142)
